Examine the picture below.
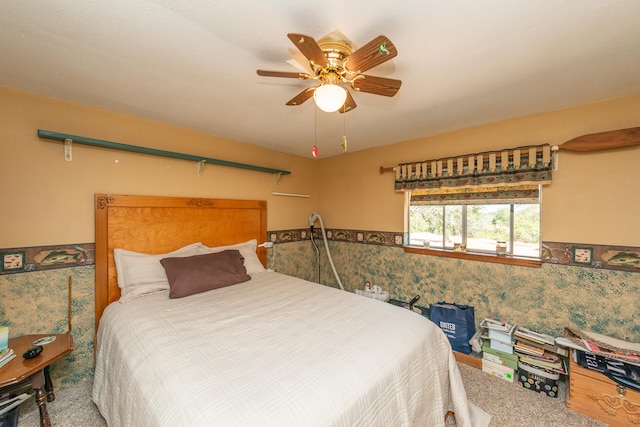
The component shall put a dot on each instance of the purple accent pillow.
(199, 273)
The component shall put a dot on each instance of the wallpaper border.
(38, 258)
(609, 257)
(380, 238)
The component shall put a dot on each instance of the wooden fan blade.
(309, 48)
(349, 104)
(287, 74)
(376, 85)
(302, 96)
(604, 140)
(374, 53)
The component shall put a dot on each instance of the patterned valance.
(526, 193)
(511, 167)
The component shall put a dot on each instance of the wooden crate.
(593, 394)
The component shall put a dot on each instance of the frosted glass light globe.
(329, 97)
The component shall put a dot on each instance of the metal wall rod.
(289, 194)
(144, 150)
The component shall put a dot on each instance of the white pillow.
(247, 250)
(141, 274)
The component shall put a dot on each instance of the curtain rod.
(144, 150)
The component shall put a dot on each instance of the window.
(480, 225)
(478, 202)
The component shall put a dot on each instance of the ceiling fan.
(334, 63)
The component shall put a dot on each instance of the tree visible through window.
(480, 226)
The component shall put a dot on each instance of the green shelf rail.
(56, 136)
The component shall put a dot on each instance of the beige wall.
(593, 198)
(47, 200)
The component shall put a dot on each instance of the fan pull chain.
(344, 133)
(314, 150)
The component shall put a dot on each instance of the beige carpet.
(508, 405)
(511, 405)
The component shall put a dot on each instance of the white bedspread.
(273, 351)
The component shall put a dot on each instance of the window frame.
(485, 256)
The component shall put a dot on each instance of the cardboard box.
(4, 337)
(499, 371)
(538, 380)
(499, 357)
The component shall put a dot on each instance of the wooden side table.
(21, 372)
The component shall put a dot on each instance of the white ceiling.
(193, 63)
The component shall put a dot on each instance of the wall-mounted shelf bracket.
(152, 151)
(200, 167)
(276, 177)
(68, 154)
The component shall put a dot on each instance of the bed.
(267, 350)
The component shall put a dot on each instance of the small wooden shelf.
(474, 256)
(56, 136)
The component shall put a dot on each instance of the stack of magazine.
(500, 334)
(497, 353)
(540, 351)
(9, 402)
(5, 356)
(513, 352)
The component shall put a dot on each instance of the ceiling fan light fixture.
(329, 97)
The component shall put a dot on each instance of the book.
(601, 345)
(5, 353)
(501, 346)
(562, 351)
(526, 348)
(498, 325)
(12, 402)
(530, 335)
(541, 372)
(499, 329)
(6, 358)
(499, 357)
(4, 337)
(476, 341)
(500, 371)
(548, 361)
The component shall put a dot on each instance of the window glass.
(426, 224)
(479, 226)
(486, 226)
(453, 225)
(526, 230)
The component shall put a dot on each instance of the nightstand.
(21, 372)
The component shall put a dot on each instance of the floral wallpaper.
(544, 299)
(37, 303)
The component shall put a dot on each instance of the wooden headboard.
(153, 224)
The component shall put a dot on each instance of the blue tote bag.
(457, 322)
